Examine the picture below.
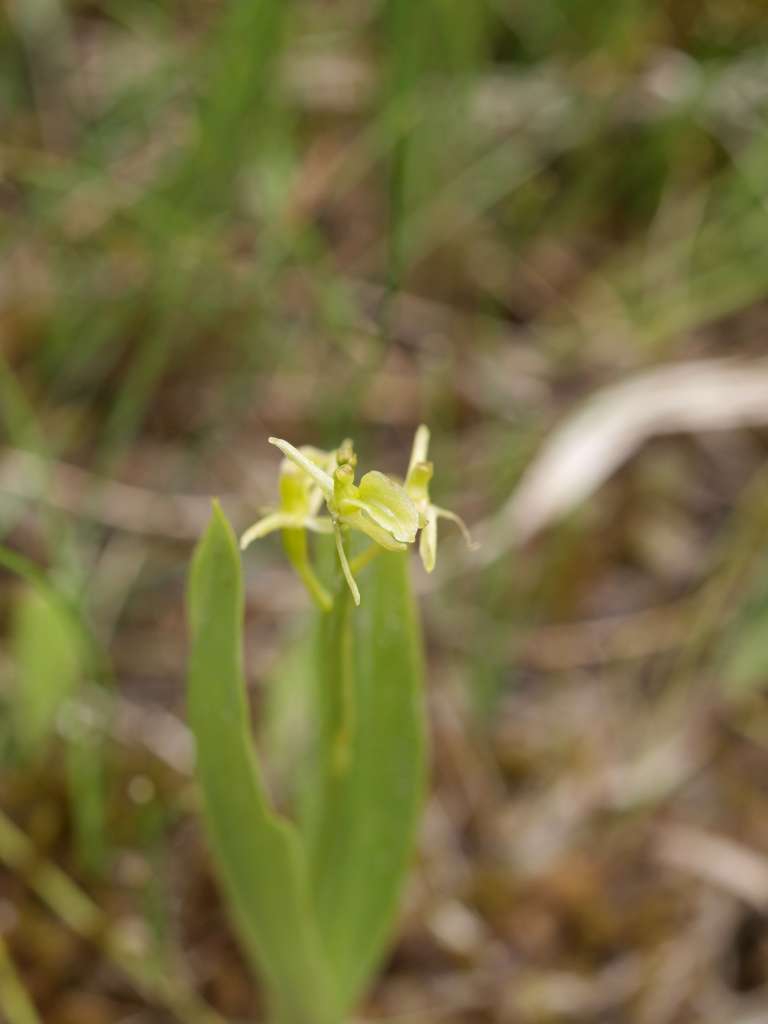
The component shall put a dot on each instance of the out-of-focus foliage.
(48, 656)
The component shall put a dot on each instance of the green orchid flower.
(390, 513)
(378, 506)
(300, 500)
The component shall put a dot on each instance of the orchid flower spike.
(378, 506)
(390, 513)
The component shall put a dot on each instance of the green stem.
(86, 919)
(318, 592)
(365, 558)
(295, 544)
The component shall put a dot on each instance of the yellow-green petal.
(295, 490)
(417, 486)
(321, 478)
(359, 520)
(389, 505)
(270, 523)
(283, 521)
(428, 540)
(420, 447)
(444, 513)
(345, 566)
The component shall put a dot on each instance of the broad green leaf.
(362, 811)
(285, 724)
(260, 860)
(49, 656)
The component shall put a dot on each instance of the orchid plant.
(313, 888)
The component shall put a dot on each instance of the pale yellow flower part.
(381, 502)
(300, 500)
(378, 506)
(302, 459)
(417, 482)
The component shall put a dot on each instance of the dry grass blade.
(139, 510)
(602, 435)
(723, 862)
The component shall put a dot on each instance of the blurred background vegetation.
(224, 219)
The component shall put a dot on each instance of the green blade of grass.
(238, 102)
